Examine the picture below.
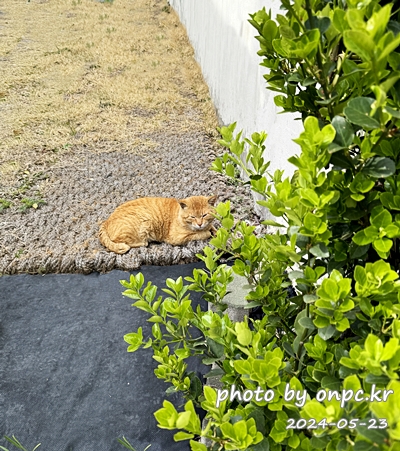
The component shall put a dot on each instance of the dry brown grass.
(106, 76)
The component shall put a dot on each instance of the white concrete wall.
(226, 49)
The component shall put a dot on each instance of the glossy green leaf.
(378, 167)
(382, 246)
(344, 131)
(320, 250)
(364, 237)
(358, 112)
(197, 446)
(326, 332)
(380, 217)
(360, 43)
(322, 23)
(330, 383)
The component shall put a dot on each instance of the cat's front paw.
(213, 231)
(204, 235)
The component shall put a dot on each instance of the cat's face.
(196, 212)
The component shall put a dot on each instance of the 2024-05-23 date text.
(312, 423)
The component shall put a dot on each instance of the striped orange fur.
(140, 221)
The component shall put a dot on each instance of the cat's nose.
(199, 223)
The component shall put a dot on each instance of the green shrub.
(318, 354)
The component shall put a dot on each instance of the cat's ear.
(212, 200)
(182, 204)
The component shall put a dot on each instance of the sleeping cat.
(137, 222)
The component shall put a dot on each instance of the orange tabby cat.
(137, 222)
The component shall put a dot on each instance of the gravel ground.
(61, 236)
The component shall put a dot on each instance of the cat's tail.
(105, 240)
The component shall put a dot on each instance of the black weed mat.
(66, 379)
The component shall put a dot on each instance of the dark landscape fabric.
(66, 379)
